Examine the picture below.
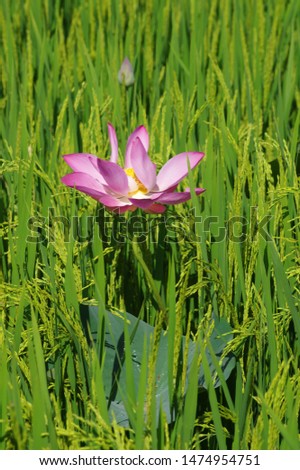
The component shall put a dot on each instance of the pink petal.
(142, 203)
(142, 134)
(84, 163)
(148, 206)
(177, 198)
(151, 196)
(113, 143)
(156, 209)
(144, 169)
(84, 183)
(111, 201)
(198, 191)
(114, 176)
(176, 169)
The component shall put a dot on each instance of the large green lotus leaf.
(141, 335)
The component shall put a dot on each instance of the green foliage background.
(215, 76)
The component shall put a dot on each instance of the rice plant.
(211, 285)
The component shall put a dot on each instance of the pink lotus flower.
(135, 185)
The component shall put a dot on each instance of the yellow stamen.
(130, 172)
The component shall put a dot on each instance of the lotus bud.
(125, 74)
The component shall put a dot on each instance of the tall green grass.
(213, 76)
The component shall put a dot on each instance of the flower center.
(130, 172)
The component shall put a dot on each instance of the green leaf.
(115, 376)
